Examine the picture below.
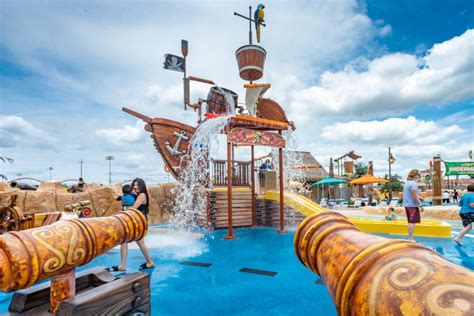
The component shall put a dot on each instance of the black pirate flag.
(173, 62)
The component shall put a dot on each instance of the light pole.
(50, 173)
(391, 160)
(110, 158)
(81, 162)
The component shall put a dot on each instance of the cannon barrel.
(77, 207)
(22, 186)
(29, 256)
(372, 275)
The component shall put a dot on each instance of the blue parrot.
(258, 18)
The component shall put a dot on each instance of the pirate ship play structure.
(260, 123)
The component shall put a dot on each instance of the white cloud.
(413, 141)
(15, 131)
(393, 83)
(392, 130)
(124, 135)
(132, 160)
(385, 30)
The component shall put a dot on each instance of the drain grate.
(196, 264)
(319, 282)
(256, 271)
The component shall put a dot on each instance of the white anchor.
(174, 151)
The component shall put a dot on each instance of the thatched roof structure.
(311, 169)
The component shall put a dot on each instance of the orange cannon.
(371, 275)
(54, 251)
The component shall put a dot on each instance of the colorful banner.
(243, 136)
(459, 168)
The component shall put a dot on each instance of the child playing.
(391, 215)
(466, 213)
(127, 197)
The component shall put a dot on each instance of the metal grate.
(196, 264)
(256, 271)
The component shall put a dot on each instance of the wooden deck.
(241, 207)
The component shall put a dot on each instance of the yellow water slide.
(305, 206)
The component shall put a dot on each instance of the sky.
(352, 75)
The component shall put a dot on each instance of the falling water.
(229, 100)
(294, 177)
(190, 209)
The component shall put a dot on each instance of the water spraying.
(195, 184)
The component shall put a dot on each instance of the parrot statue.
(258, 18)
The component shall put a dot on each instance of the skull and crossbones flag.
(173, 62)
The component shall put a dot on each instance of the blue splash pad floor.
(220, 289)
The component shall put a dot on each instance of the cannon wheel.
(10, 219)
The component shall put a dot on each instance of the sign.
(243, 136)
(349, 167)
(173, 62)
(459, 168)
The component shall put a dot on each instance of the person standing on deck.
(412, 201)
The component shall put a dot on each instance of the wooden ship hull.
(171, 140)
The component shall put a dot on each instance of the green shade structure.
(328, 181)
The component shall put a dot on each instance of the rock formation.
(53, 196)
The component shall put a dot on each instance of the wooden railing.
(240, 174)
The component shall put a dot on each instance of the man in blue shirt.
(466, 212)
(412, 201)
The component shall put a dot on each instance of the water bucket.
(251, 60)
(218, 103)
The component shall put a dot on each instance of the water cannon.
(22, 186)
(371, 275)
(55, 251)
(82, 208)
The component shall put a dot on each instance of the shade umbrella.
(366, 179)
(328, 181)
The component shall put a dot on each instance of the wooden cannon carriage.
(12, 218)
(55, 251)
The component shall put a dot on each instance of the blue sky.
(360, 75)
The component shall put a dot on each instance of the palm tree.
(361, 168)
(5, 160)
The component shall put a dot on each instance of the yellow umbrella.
(368, 179)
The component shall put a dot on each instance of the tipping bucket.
(251, 60)
(217, 102)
